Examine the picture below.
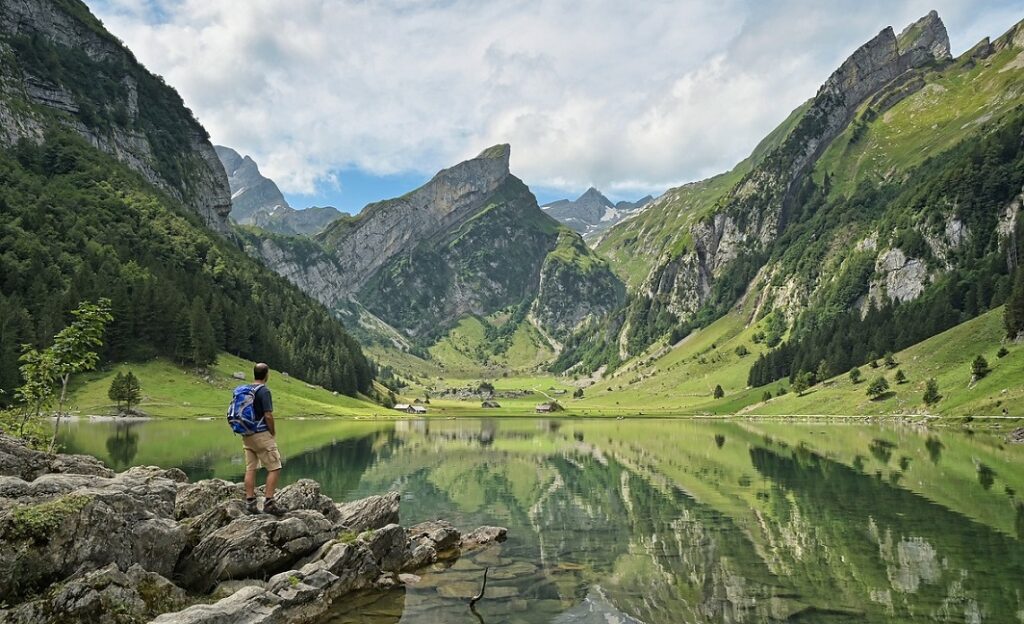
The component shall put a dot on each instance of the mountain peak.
(926, 36)
(592, 195)
(501, 151)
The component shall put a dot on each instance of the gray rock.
(305, 494)
(373, 512)
(442, 534)
(227, 588)
(253, 546)
(90, 597)
(195, 499)
(483, 536)
(389, 546)
(249, 605)
(95, 521)
(17, 460)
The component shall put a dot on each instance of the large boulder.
(197, 498)
(104, 595)
(305, 494)
(373, 512)
(18, 460)
(60, 524)
(254, 547)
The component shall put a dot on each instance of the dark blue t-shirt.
(261, 404)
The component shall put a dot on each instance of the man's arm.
(269, 417)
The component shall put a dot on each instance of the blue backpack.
(241, 415)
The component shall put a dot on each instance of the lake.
(659, 521)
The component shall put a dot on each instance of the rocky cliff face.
(250, 191)
(385, 229)
(90, 83)
(752, 213)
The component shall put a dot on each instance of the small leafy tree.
(577, 393)
(39, 373)
(1003, 352)
(890, 361)
(742, 351)
(979, 368)
(878, 387)
(931, 392)
(802, 382)
(900, 377)
(74, 348)
(767, 396)
(855, 375)
(719, 392)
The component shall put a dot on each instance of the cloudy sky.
(344, 102)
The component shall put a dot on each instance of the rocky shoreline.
(80, 543)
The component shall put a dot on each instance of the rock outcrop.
(145, 125)
(76, 547)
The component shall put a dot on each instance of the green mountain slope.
(895, 189)
(472, 243)
(108, 191)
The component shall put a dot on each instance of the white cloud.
(633, 96)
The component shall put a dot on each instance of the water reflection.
(122, 447)
(663, 521)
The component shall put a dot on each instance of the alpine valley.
(882, 212)
(880, 215)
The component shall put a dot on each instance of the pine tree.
(900, 377)
(132, 391)
(855, 375)
(979, 368)
(116, 391)
(931, 392)
(719, 392)
(204, 345)
(890, 361)
(183, 338)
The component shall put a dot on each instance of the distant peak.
(592, 194)
(502, 151)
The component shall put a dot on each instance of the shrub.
(878, 387)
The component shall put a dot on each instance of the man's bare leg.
(268, 492)
(250, 483)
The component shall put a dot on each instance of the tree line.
(77, 225)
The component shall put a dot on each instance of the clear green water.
(620, 521)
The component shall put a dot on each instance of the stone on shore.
(373, 512)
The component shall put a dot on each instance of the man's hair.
(259, 372)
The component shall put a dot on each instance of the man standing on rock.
(261, 447)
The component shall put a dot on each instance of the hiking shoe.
(250, 506)
(270, 507)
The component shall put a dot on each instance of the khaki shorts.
(261, 450)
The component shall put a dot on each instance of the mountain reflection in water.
(660, 521)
